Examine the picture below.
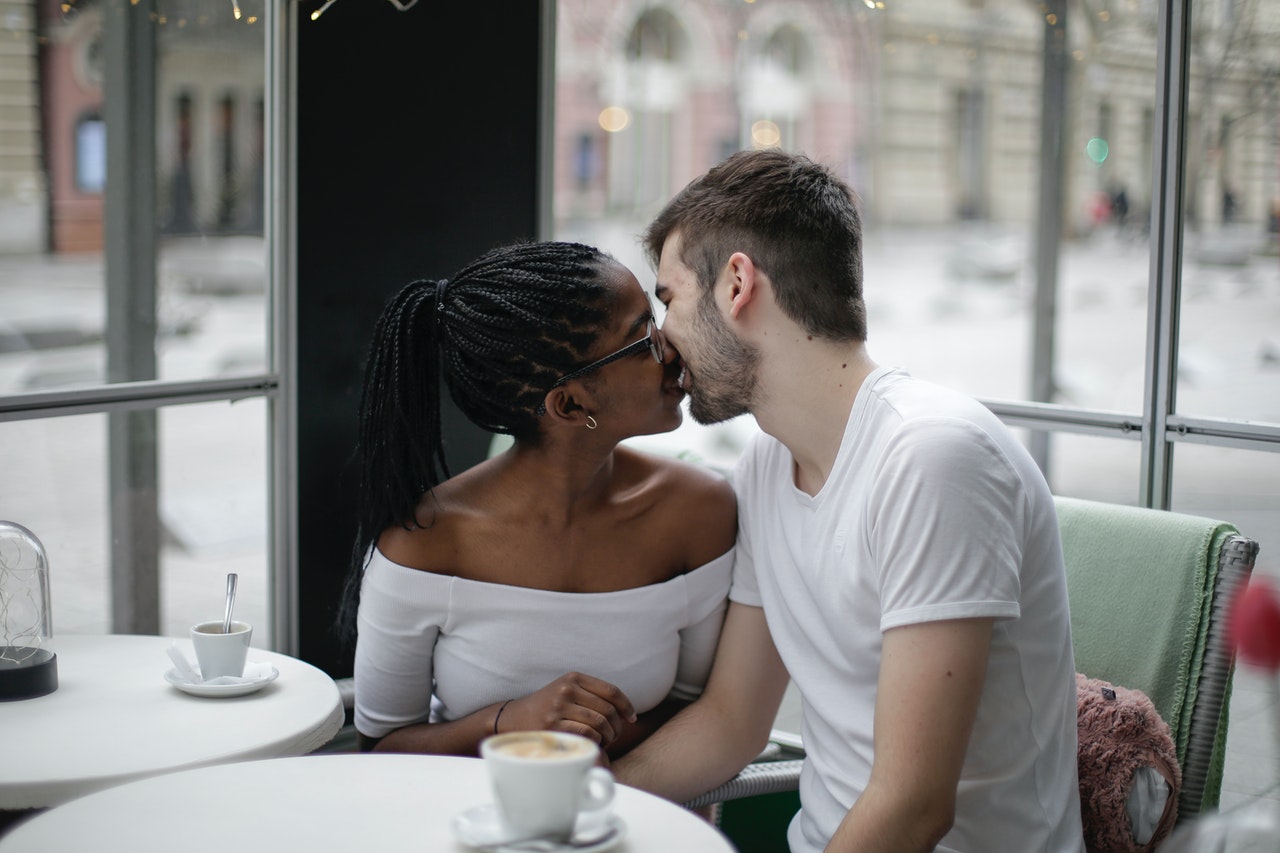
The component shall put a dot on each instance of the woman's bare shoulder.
(697, 503)
(429, 541)
(456, 524)
(675, 473)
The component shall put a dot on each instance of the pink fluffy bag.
(1129, 774)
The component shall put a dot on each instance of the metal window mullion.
(1216, 432)
(1224, 432)
(1165, 285)
(281, 239)
(133, 396)
(546, 119)
(1053, 98)
(1049, 417)
(129, 231)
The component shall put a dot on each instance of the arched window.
(653, 89)
(91, 152)
(788, 50)
(777, 88)
(656, 37)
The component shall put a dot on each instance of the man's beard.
(724, 381)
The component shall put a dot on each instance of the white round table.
(319, 803)
(114, 719)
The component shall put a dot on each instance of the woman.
(567, 583)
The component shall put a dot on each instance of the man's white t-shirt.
(932, 511)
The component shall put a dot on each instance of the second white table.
(320, 804)
(114, 719)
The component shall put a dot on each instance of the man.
(897, 546)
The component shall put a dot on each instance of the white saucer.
(480, 826)
(256, 676)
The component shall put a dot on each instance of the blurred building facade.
(932, 110)
(209, 122)
(23, 194)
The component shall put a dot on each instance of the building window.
(91, 153)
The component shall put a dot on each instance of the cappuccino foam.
(541, 745)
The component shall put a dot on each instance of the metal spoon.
(231, 601)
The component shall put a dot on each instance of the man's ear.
(741, 271)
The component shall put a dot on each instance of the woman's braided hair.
(501, 331)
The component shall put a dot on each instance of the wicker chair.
(1123, 564)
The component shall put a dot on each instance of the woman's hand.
(575, 703)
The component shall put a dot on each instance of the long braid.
(398, 440)
(512, 322)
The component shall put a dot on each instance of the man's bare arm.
(930, 682)
(711, 740)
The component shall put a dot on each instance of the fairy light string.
(402, 5)
(71, 7)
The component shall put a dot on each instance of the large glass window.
(1038, 230)
(1039, 234)
(134, 301)
(999, 265)
(1004, 158)
(210, 509)
(1229, 349)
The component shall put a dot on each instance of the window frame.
(150, 396)
(1159, 426)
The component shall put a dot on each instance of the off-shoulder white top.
(434, 647)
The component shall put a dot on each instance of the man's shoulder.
(914, 412)
(911, 397)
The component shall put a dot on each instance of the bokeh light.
(614, 119)
(765, 134)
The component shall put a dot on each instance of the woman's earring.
(591, 422)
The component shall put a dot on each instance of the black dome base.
(36, 675)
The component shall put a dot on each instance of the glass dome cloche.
(28, 665)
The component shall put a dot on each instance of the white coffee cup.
(542, 780)
(221, 654)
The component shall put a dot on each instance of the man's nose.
(670, 353)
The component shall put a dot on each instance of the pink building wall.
(67, 94)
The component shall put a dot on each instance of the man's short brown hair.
(797, 222)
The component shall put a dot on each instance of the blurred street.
(951, 305)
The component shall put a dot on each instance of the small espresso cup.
(221, 654)
(542, 780)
